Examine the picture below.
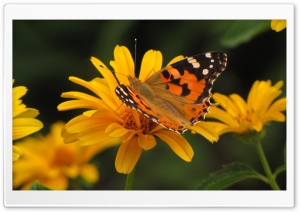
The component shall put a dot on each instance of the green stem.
(266, 166)
(129, 180)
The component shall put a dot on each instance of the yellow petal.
(28, 113)
(25, 126)
(206, 129)
(251, 100)
(69, 137)
(88, 152)
(177, 143)
(79, 104)
(123, 64)
(116, 130)
(101, 87)
(226, 103)
(17, 152)
(58, 183)
(274, 116)
(104, 91)
(146, 141)
(279, 105)
(278, 25)
(72, 171)
(90, 173)
(151, 63)
(240, 103)
(89, 130)
(106, 73)
(221, 128)
(18, 92)
(176, 59)
(222, 115)
(257, 126)
(127, 156)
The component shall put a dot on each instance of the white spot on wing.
(194, 62)
(208, 55)
(205, 71)
(196, 65)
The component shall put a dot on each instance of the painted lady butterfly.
(177, 94)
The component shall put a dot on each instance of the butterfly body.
(177, 94)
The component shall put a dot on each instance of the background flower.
(243, 117)
(52, 163)
(24, 122)
(278, 25)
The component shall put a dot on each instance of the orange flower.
(51, 162)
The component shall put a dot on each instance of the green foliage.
(243, 31)
(37, 186)
(229, 175)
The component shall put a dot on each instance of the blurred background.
(47, 52)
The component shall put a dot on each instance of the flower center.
(136, 121)
(63, 157)
(245, 120)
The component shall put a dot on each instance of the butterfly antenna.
(135, 44)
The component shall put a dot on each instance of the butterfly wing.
(190, 79)
(187, 84)
(178, 94)
(158, 110)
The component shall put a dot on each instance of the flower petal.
(123, 64)
(223, 116)
(116, 130)
(90, 130)
(25, 126)
(90, 173)
(128, 155)
(146, 141)
(240, 103)
(177, 143)
(17, 152)
(151, 63)
(176, 59)
(278, 25)
(226, 103)
(279, 105)
(84, 101)
(100, 87)
(106, 73)
(28, 113)
(206, 129)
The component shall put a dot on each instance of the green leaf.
(229, 175)
(37, 186)
(242, 31)
(279, 170)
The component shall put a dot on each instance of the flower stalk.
(265, 164)
(129, 180)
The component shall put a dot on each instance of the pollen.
(135, 120)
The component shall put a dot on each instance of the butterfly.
(178, 94)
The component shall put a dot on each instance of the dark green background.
(47, 52)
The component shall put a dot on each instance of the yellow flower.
(24, 122)
(278, 25)
(109, 120)
(51, 162)
(242, 117)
